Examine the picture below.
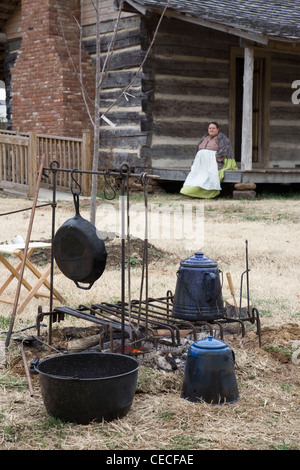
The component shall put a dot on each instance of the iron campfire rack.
(133, 320)
(148, 320)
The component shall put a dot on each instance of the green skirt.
(196, 191)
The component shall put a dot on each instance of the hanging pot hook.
(144, 180)
(53, 164)
(78, 192)
(124, 169)
(110, 186)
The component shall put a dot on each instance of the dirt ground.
(266, 416)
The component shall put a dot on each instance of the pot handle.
(210, 281)
(83, 287)
(33, 365)
(33, 370)
(233, 356)
(76, 202)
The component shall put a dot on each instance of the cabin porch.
(257, 176)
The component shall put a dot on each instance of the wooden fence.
(20, 154)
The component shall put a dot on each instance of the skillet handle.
(83, 287)
(76, 202)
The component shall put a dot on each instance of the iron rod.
(247, 277)
(16, 301)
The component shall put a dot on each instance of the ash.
(163, 355)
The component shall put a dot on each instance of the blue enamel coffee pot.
(198, 293)
(210, 373)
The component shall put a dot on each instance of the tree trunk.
(95, 166)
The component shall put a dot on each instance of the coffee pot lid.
(198, 260)
(207, 344)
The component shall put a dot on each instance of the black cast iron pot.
(79, 250)
(85, 387)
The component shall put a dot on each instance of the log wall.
(183, 85)
(124, 141)
(8, 54)
(190, 66)
(11, 53)
(107, 12)
(284, 114)
(13, 24)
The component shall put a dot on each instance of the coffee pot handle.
(210, 282)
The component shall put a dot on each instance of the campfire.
(145, 329)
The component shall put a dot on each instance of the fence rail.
(20, 154)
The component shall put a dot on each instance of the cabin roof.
(275, 19)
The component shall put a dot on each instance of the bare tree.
(96, 123)
(100, 73)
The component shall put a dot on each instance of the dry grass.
(267, 414)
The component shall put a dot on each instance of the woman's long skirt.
(204, 178)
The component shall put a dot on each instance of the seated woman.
(213, 157)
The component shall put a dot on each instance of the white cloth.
(204, 171)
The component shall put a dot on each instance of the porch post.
(246, 157)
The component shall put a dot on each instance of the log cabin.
(175, 66)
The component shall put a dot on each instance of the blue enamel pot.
(198, 293)
(210, 373)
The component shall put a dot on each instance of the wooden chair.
(42, 278)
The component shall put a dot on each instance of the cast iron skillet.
(79, 250)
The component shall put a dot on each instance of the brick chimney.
(46, 92)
